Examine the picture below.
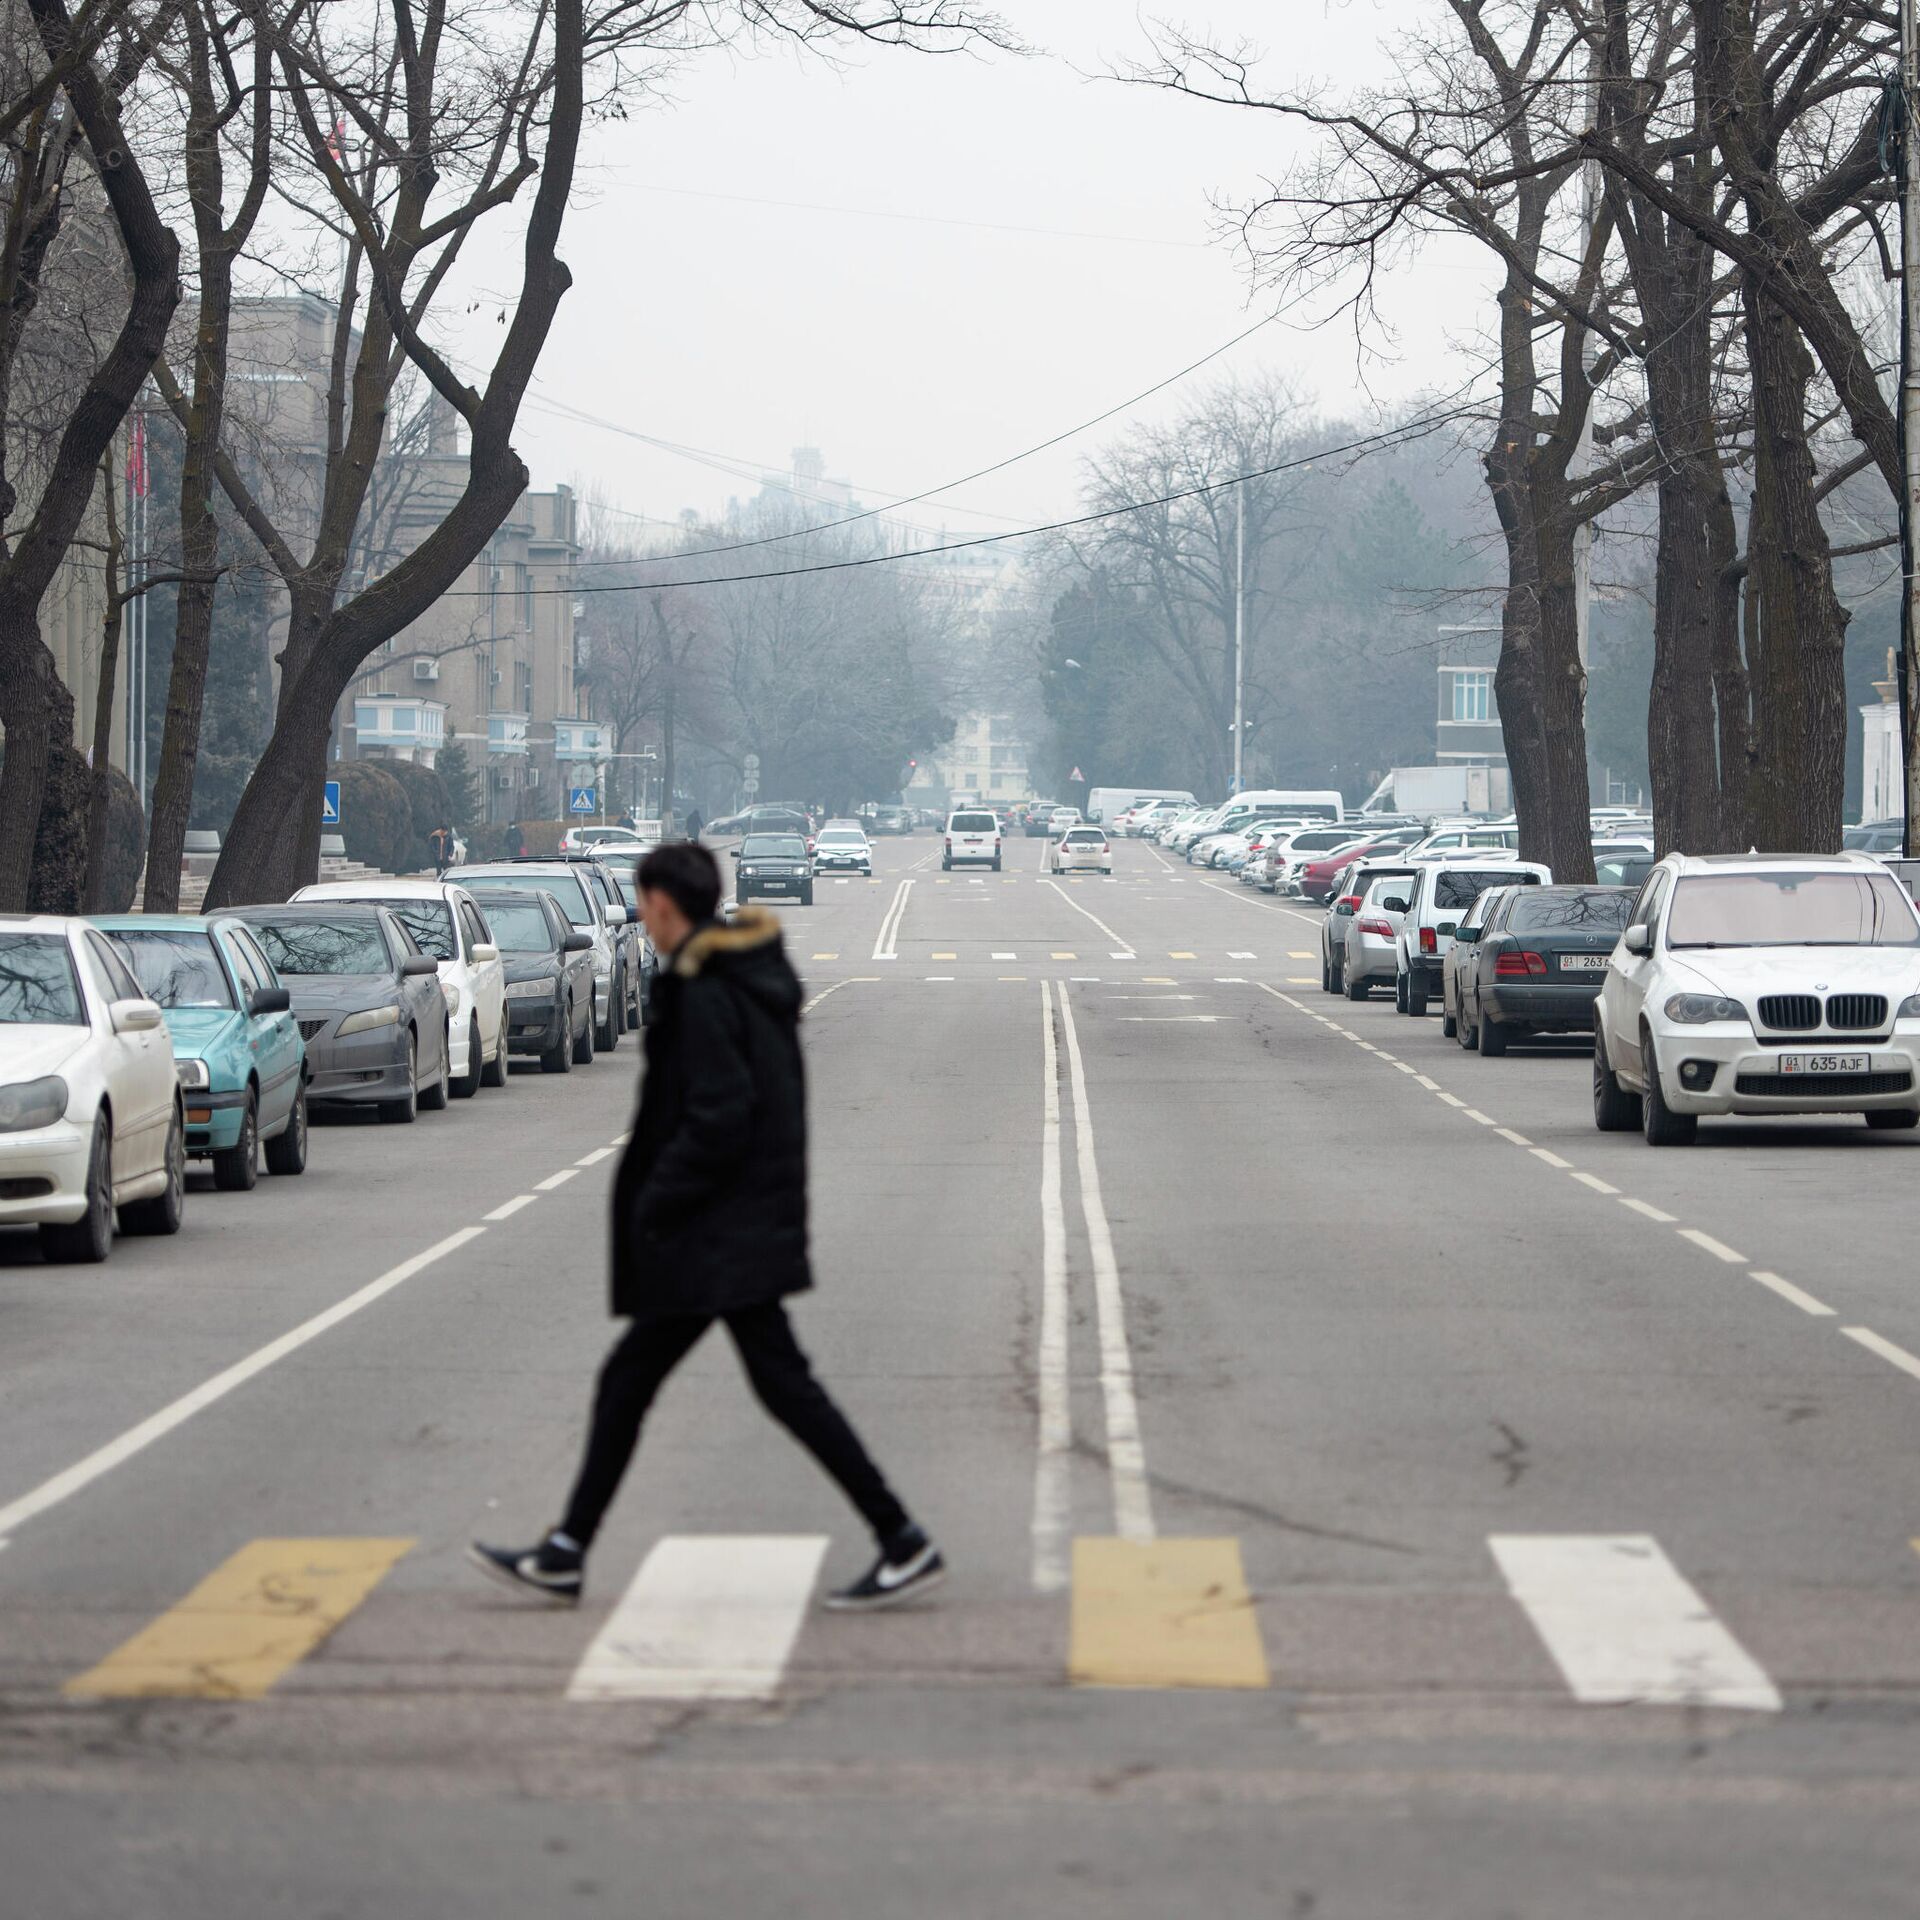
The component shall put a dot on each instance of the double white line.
(1126, 1454)
(883, 946)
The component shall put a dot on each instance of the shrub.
(429, 806)
(376, 818)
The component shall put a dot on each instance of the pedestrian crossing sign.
(330, 804)
(580, 800)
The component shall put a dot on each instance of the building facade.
(985, 760)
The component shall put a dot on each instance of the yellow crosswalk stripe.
(943, 956)
(257, 1614)
(1162, 1613)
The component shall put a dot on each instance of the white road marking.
(852, 980)
(1552, 1159)
(553, 1180)
(886, 941)
(1169, 1019)
(1078, 908)
(71, 1480)
(1650, 1213)
(1483, 1119)
(1518, 1139)
(940, 977)
(708, 1617)
(1866, 1336)
(594, 1158)
(1123, 956)
(1052, 1507)
(1708, 1244)
(621, 1139)
(1231, 955)
(1126, 1452)
(1592, 1180)
(1788, 1291)
(507, 1209)
(1452, 1099)
(1624, 1626)
(1432, 1086)
(1003, 956)
(1401, 1064)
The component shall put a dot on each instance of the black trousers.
(638, 1367)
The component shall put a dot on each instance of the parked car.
(1536, 964)
(1874, 836)
(91, 1117)
(1370, 957)
(633, 951)
(368, 1003)
(237, 1051)
(1338, 927)
(621, 841)
(549, 978)
(1622, 869)
(1460, 958)
(843, 846)
(1081, 847)
(775, 863)
(1315, 876)
(973, 839)
(1760, 984)
(1458, 839)
(1443, 889)
(446, 922)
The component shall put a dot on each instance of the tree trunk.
(1562, 689)
(273, 845)
(1797, 795)
(100, 787)
(1516, 680)
(1732, 695)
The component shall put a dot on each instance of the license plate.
(1583, 963)
(1815, 1064)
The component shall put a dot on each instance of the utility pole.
(1909, 672)
(1240, 634)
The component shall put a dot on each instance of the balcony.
(507, 735)
(403, 724)
(579, 740)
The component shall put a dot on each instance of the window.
(175, 969)
(262, 967)
(1584, 912)
(1462, 886)
(405, 720)
(1791, 909)
(37, 984)
(1472, 696)
(121, 984)
(470, 923)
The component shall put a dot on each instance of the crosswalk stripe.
(1162, 1613)
(708, 1617)
(1624, 1625)
(255, 1615)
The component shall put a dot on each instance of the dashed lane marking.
(1290, 956)
(1648, 1212)
(1122, 956)
(943, 956)
(1063, 956)
(1895, 1356)
(1708, 1244)
(1232, 955)
(553, 1180)
(852, 980)
(594, 1158)
(508, 1208)
(1594, 1181)
(1518, 1139)
(1481, 1119)
(939, 978)
(1552, 1159)
(1788, 1291)
(1180, 956)
(826, 956)
(1432, 1086)
(1452, 1099)
(1003, 956)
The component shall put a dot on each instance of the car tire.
(1326, 975)
(494, 1073)
(606, 1036)
(237, 1168)
(1658, 1121)
(1356, 989)
(583, 1047)
(1467, 1036)
(996, 863)
(1399, 993)
(1490, 1038)
(946, 866)
(560, 1059)
(401, 1112)
(469, 1082)
(1416, 996)
(433, 1099)
(88, 1240)
(287, 1150)
(1892, 1119)
(1449, 1024)
(806, 897)
(163, 1212)
(1615, 1110)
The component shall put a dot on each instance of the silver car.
(1343, 907)
(1371, 957)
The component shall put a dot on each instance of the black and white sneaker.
(551, 1571)
(910, 1565)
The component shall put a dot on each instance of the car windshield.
(773, 846)
(1791, 910)
(174, 969)
(37, 983)
(832, 839)
(323, 946)
(974, 823)
(1462, 886)
(429, 921)
(1598, 911)
(1623, 870)
(520, 929)
(567, 893)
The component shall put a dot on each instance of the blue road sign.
(330, 804)
(580, 800)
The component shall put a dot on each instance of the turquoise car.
(237, 1049)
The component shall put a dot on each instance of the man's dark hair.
(687, 874)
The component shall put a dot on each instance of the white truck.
(1430, 792)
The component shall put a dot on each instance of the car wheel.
(996, 863)
(1357, 989)
(88, 1240)
(741, 895)
(287, 1150)
(469, 1082)
(1892, 1119)
(494, 1073)
(806, 896)
(1399, 993)
(400, 1112)
(1326, 975)
(165, 1210)
(560, 1059)
(1449, 1025)
(605, 1035)
(946, 866)
(236, 1168)
(1615, 1110)
(1490, 1037)
(433, 1099)
(583, 1047)
(1416, 996)
(1658, 1121)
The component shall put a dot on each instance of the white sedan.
(1082, 847)
(447, 922)
(1757, 984)
(90, 1115)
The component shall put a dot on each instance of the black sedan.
(1538, 963)
(368, 1002)
(549, 967)
(767, 863)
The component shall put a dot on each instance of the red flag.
(137, 457)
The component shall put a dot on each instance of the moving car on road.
(368, 1003)
(1443, 890)
(90, 1110)
(843, 844)
(1081, 847)
(1534, 963)
(973, 839)
(1760, 983)
(767, 863)
(549, 978)
(237, 1051)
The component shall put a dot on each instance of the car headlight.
(1696, 1009)
(749, 870)
(368, 1019)
(32, 1103)
(1909, 1008)
(529, 989)
(192, 1073)
(453, 995)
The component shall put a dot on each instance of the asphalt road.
(1369, 1490)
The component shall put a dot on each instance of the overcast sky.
(790, 253)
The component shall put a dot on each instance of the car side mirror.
(484, 952)
(615, 916)
(1342, 907)
(1468, 934)
(576, 943)
(1393, 904)
(269, 1000)
(135, 1016)
(1638, 939)
(733, 853)
(416, 964)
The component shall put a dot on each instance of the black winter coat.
(710, 1205)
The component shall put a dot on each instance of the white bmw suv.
(1760, 983)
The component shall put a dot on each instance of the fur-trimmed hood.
(751, 929)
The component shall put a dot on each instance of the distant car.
(237, 1050)
(549, 985)
(1060, 819)
(973, 839)
(1370, 957)
(622, 841)
(1756, 984)
(1337, 929)
(892, 820)
(91, 1117)
(1442, 892)
(368, 1002)
(1874, 836)
(1535, 963)
(1037, 817)
(843, 847)
(773, 863)
(1449, 840)
(1315, 875)
(1081, 847)
(1622, 869)
(446, 922)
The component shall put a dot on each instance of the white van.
(973, 836)
(1104, 802)
(1269, 803)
